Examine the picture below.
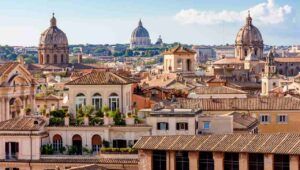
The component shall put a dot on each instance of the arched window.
(62, 58)
(77, 144)
(80, 100)
(97, 101)
(47, 59)
(55, 58)
(96, 143)
(114, 101)
(255, 51)
(57, 143)
(245, 52)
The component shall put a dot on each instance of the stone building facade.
(17, 90)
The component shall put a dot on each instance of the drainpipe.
(122, 98)
(30, 150)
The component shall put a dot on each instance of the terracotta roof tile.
(100, 78)
(179, 49)
(22, 124)
(257, 103)
(280, 143)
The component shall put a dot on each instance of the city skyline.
(191, 22)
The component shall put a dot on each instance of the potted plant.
(67, 119)
(108, 115)
(87, 112)
(129, 119)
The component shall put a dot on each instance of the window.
(62, 58)
(80, 100)
(159, 160)
(206, 161)
(256, 161)
(281, 162)
(182, 126)
(55, 58)
(162, 126)
(182, 161)
(11, 150)
(231, 161)
(114, 102)
(57, 143)
(206, 125)
(119, 143)
(97, 101)
(282, 118)
(96, 143)
(264, 118)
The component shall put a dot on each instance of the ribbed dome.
(140, 31)
(249, 34)
(53, 35)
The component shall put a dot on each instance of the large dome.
(140, 31)
(249, 34)
(53, 35)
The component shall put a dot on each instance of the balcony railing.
(13, 156)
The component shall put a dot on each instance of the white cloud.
(267, 13)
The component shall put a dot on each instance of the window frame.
(262, 116)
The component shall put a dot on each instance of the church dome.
(53, 35)
(249, 34)
(140, 31)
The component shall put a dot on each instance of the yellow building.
(281, 114)
(179, 59)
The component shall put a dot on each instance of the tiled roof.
(96, 160)
(88, 167)
(243, 121)
(217, 90)
(179, 49)
(7, 67)
(257, 103)
(22, 124)
(281, 143)
(287, 59)
(216, 80)
(100, 78)
(229, 61)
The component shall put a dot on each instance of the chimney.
(79, 58)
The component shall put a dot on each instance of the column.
(218, 160)
(171, 160)
(7, 109)
(2, 109)
(145, 160)
(294, 162)
(268, 161)
(243, 161)
(193, 160)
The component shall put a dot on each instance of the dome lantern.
(53, 21)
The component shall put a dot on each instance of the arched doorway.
(96, 143)
(77, 143)
(57, 142)
(188, 65)
(15, 106)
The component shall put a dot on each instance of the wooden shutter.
(167, 126)
(186, 126)
(177, 126)
(158, 126)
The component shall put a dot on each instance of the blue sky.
(112, 21)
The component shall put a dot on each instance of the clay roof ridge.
(248, 143)
(219, 142)
(160, 142)
(79, 77)
(146, 142)
(174, 142)
(189, 142)
(286, 135)
(264, 143)
(233, 142)
(203, 142)
(294, 146)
